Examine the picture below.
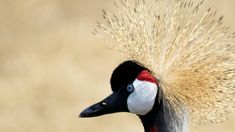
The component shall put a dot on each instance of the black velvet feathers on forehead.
(125, 73)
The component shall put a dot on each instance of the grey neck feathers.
(162, 118)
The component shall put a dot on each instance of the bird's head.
(134, 88)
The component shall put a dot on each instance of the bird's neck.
(162, 118)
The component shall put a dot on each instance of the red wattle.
(153, 129)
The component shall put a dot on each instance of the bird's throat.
(148, 120)
(162, 118)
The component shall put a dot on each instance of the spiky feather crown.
(187, 48)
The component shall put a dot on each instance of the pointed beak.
(109, 105)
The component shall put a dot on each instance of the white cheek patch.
(142, 99)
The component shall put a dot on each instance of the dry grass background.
(51, 67)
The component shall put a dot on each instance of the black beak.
(111, 104)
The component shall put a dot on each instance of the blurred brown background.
(52, 67)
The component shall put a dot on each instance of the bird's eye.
(130, 88)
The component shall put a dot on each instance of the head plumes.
(187, 48)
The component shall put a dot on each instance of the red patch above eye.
(146, 76)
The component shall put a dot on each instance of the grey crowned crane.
(136, 90)
(182, 67)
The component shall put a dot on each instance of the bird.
(136, 90)
(180, 67)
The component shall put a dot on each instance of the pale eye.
(130, 88)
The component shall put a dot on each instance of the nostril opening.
(104, 103)
(98, 106)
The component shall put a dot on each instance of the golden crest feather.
(187, 48)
